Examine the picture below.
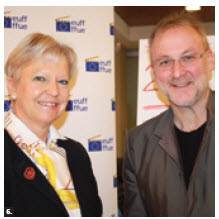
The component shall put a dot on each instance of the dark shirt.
(189, 144)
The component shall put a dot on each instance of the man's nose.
(177, 69)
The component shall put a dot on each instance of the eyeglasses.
(186, 61)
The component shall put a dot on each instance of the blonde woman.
(45, 174)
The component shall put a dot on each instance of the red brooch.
(29, 173)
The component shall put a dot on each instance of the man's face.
(185, 82)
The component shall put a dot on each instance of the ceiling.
(150, 15)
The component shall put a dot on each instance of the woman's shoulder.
(71, 145)
(8, 141)
(76, 152)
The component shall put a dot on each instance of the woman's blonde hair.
(36, 45)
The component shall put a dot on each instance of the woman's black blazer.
(37, 197)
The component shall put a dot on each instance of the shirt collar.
(16, 128)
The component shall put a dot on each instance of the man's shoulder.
(147, 135)
(211, 104)
(148, 127)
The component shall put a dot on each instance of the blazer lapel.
(21, 162)
(168, 141)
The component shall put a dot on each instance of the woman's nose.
(53, 88)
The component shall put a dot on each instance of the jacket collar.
(211, 106)
(166, 132)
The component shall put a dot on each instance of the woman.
(45, 174)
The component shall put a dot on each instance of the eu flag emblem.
(111, 30)
(63, 26)
(7, 104)
(7, 22)
(95, 146)
(92, 66)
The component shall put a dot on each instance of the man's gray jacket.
(153, 172)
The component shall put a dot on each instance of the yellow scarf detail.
(66, 196)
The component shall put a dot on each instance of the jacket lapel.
(166, 132)
(74, 168)
(168, 141)
(21, 162)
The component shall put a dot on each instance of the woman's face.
(42, 91)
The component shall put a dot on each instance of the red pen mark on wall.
(155, 107)
(149, 66)
(147, 87)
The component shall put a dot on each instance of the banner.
(90, 115)
(151, 102)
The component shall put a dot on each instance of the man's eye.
(188, 58)
(165, 62)
(39, 78)
(63, 82)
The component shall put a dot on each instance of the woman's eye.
(39, 78)
(63, 82)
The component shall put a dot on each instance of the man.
(169, 164)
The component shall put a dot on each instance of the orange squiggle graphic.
(152, 107)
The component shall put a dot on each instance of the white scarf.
(29, 143)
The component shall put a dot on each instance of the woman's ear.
(11, 86)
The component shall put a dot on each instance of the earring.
(13, 97)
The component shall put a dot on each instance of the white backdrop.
(152, 102)
(91, 115)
